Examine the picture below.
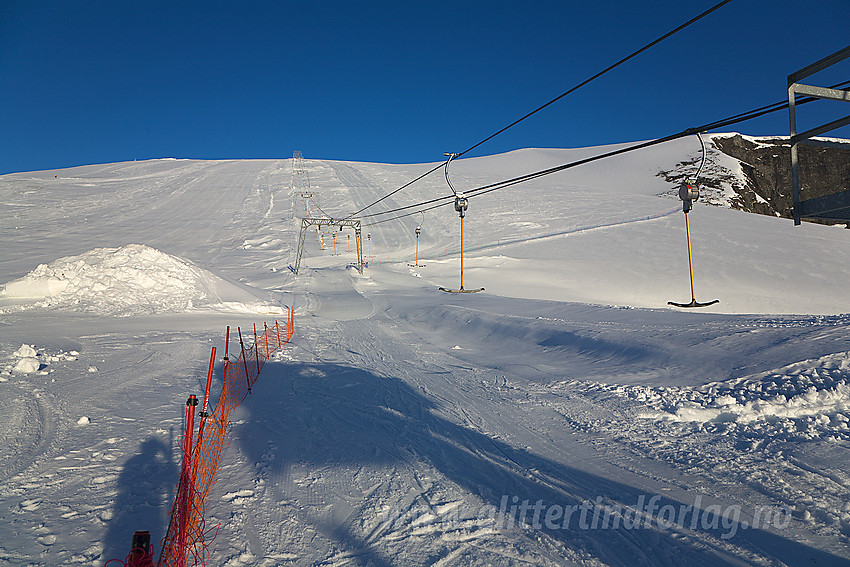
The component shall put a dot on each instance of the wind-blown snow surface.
(565, 416)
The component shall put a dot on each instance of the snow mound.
(130, 280)
(25, 351)
(27, 365)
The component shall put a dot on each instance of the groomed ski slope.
(406, 426)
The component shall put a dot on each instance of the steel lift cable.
(756, 113)
(391, 193)
(738, 118)
(599, 74)
(444, 203)
(483, 190)
(530, 176)
(729, 121)
(556, 99)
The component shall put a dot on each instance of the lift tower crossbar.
(306, 223)
(835, 206)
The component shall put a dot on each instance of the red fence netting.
(186, 540)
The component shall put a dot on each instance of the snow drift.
(130, 280)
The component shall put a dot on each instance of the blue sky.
(401, 82)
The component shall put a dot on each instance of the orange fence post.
(244, 360)
(204, 415)
(256, 350)
(226, 350)
(221, 398)
(206, 404)
(186, 497)
(185, 539)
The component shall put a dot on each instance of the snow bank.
(130, 280)
(810, 402)
(805, 400)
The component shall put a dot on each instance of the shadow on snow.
(323, 416)
(143, 502)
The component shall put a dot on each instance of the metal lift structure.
(300, 184)
(306, 223)
(835, 206)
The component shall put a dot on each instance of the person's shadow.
(145, 491)
(307, 419)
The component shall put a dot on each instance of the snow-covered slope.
(406, 426)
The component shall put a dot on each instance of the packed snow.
(564, 416)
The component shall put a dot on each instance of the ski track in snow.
(400, 418)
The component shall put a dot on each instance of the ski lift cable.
(448, 199)
(451, 156)
(554, 100)
(729, 121)
(316, 204)
(534, 175)
(702, 163)
(741, 117)
(406, 207)
(432, 207)
(391, 193)
(529, 176)
(690, 131)
(761, 111)
(599, 74)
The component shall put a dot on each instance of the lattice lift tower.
(306, 223)
(301, 180)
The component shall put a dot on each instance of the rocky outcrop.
(766, 167)
(754, 174)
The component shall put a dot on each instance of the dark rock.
(764, 183)
(766, 165)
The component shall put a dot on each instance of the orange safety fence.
(186, 540)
